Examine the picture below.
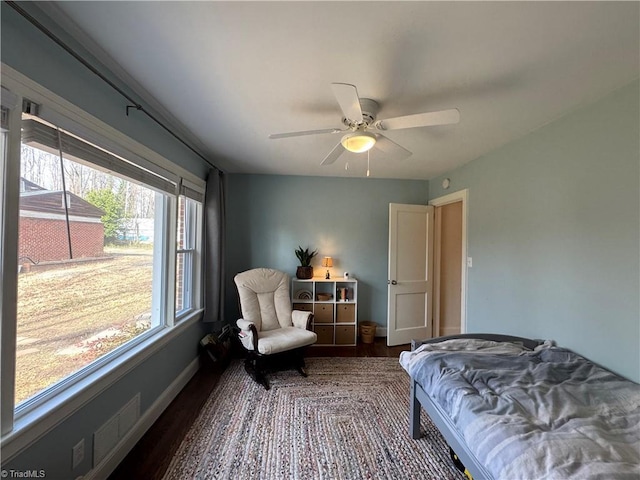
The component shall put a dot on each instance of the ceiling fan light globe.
(358, 142)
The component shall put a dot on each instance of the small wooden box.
(305, 307)
(345, 334)
(325, 334)
(323, 313)
(345, 313)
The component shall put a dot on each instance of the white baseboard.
(381, 331)
(113, 458)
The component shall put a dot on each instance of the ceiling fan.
(362, 127)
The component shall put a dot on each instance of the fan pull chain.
(368, 173)
(346, 166)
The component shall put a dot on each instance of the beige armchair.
(268, 327)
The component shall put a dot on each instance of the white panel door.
(410, 279)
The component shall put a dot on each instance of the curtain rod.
(96, 72)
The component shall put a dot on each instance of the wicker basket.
(367, 331)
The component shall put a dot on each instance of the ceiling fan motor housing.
(369, 111)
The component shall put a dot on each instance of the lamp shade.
(327, 262)
(358, 142)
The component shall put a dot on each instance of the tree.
(113, 206)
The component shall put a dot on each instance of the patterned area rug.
(347, 420)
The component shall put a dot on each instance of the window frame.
(35, 416)
(10, 191)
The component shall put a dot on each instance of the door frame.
(463, 196)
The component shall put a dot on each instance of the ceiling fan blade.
(443, 117)
(333, 155)
(347, 96)
(306, 132)
(391, 148)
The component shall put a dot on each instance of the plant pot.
(304, 273)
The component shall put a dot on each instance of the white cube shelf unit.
(335, 319)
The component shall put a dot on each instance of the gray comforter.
(543, 414)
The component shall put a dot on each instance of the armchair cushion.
(283, 339)
(264, 298)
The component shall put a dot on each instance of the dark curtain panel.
(213, 267)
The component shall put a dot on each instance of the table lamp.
(327, 262)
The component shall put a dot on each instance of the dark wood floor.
(150, 458)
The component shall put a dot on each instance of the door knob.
(393, 282)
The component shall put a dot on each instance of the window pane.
(186, 241)
(86, 266)
(183, 282)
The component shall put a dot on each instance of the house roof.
(37, 199)
(28, 186)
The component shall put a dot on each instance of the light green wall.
(553, 230)
(268, 216)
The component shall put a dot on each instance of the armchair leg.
(300, 365)
(255, 369)
(262, 380)
(255, 366)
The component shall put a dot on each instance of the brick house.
(43, 227)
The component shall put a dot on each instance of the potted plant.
(305, 270)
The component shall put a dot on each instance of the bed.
(515, 408)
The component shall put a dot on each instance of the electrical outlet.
(78, 453)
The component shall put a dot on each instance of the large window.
(99, 237)
(86, 260)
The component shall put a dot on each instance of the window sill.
(33, 425)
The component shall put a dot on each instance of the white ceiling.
(233, 72)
